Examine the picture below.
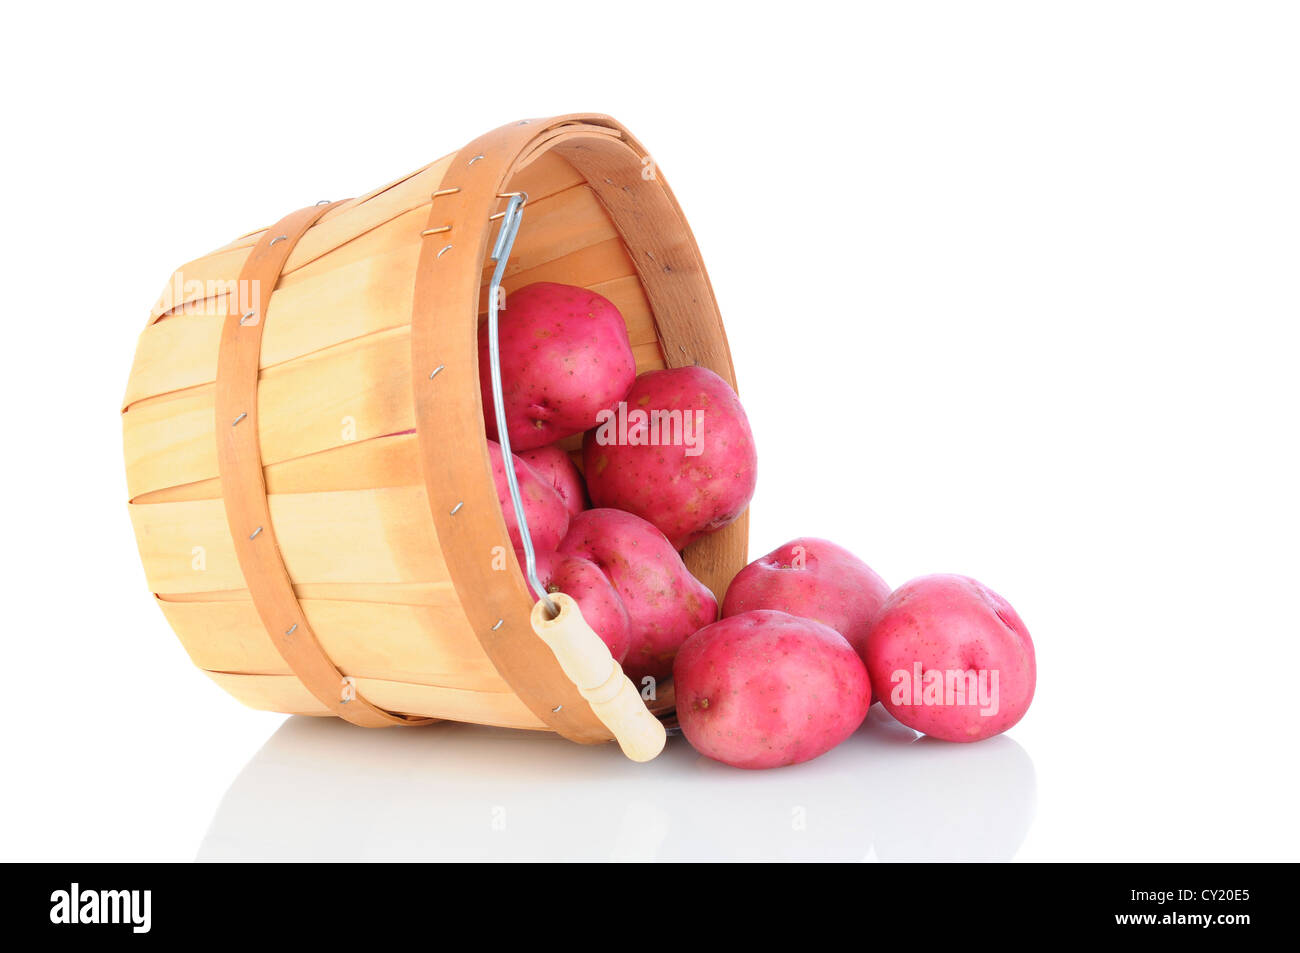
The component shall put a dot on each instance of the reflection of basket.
(328, 589)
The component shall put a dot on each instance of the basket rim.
(448, 403)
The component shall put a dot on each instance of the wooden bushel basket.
(308, 473)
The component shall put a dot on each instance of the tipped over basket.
(308, 473)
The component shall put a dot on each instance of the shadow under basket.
(308, 474)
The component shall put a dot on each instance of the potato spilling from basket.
(667, 457)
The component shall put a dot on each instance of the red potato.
(949, 657)
(548, 517)
(565, 356)
(765, 689)
(815, 579)
(601, 606)
(679, 453)
(555, 466)
(665, 603)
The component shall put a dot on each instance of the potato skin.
(665, 603)
(765, 689)
(815, 579)
(565, 356)
(601, 606)
(553, 464)
(685, 494)
(951, 623)
(548, 517)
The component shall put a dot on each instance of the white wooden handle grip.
(599, 679)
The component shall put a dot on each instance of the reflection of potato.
(806, 812)
(933, 800)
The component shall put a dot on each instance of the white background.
(1011, 290)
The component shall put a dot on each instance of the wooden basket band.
(449, 431)
(448, 407)
(243, 483)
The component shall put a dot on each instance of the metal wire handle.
(500, 255)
